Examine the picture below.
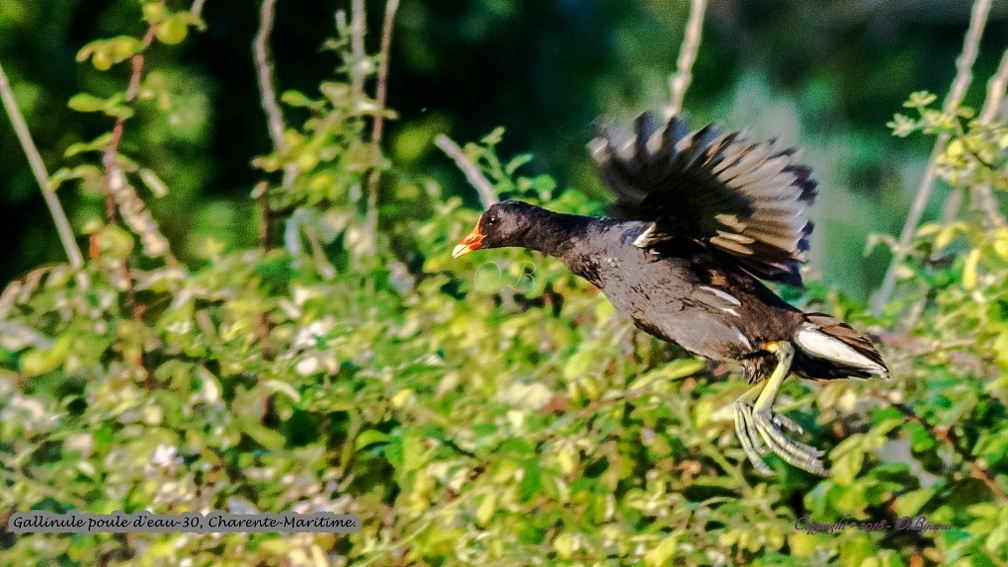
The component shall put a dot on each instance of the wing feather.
(747, 199)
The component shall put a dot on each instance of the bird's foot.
(770, 426)
(754, 428)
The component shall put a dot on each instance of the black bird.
(699, 219)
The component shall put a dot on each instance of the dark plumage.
(699, 219)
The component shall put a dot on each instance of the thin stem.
(137, 63)
(41, 175)
(197, 7)
(471, 171)
(680, 81)
(996, 88)
(381, 92)
(264, 73)
(981, 196)
(357, 69)
(960, 84)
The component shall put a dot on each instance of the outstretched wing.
(746, 199)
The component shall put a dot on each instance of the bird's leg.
(746, 431)
(770, 425)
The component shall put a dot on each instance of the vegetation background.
(253, 308)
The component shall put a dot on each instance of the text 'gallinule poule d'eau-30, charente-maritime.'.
(699, 219)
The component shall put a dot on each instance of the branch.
(383, 66)
(357, 69)
(960, 84)
(264, 72)
(472, 173)
(995, 91)
(274, 117)
(981, 197)
(41, 176)
(197, 7)
(680, 81)
(118, 191)
(381, 92)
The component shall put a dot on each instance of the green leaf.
(911, 503)
(153, 182)
(920, 99)
(87, 172)
(173, 29)
(262, 435)
(37, 362)
(969, 277)
(281, 387)
(847, 459)
(84, 102)
(578, 364)
(660, 554)
(370, 437)
(486, 509)
(295, 99)
(673, 370)
(532, 482)
(154, 12)
(97, 145)
(119, 111)
(518, 161)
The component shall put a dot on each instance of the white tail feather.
(813, 341)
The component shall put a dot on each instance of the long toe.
(785, 423)
(747, 434)
(796, 453)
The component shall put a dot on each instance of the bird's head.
(503, 224)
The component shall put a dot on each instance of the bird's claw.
(759, 430)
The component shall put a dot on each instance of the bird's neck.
(561, 235)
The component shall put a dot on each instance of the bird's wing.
(747, 199)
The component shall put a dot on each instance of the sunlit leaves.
(111, 106)
(174, 27)
(104, 53)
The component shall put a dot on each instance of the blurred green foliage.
(491, 410)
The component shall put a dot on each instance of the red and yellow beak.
(471, 242)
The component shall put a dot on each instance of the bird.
(701, 219)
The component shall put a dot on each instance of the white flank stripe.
(722, 294)
(642, 241)
(817, 343)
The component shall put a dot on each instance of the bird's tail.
(829, 348)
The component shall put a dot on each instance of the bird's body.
(681, 292)
(701, 218)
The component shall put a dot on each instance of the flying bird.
(700, 219)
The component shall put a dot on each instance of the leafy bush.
(492, 410)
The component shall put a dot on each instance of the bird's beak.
(471, 242)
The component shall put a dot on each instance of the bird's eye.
(492, 219)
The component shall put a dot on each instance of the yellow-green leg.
(755, 420)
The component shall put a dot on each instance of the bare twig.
(197, 7)
(41, 175)
(981, 197)
(357, 68)
(996, 88)
(964, 74)
(680, 81)
(264, 73)
(381, 92)
(472, 173)
(274, 117)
